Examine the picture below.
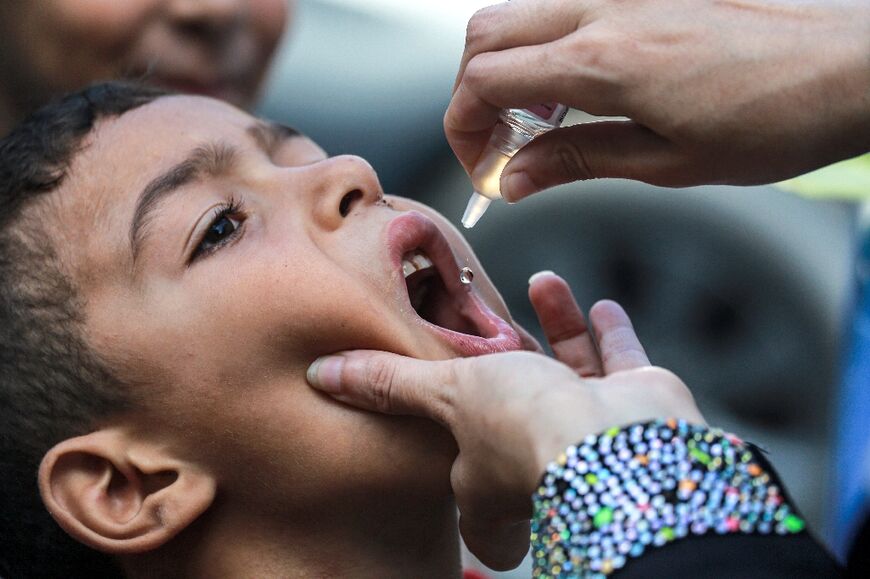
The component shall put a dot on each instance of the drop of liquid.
(466, 275)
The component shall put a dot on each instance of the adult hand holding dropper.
(713, 92)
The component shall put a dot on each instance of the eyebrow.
(270, 135)
(211, 159)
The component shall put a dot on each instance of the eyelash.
(232, 208)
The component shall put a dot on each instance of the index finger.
(617, 341)
(518, 23)
(524, 77)
(561, 71)
(387, 383)
(563, 323)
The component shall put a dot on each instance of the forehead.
(147, 139)
(93, 207)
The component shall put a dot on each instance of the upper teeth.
(415, 261)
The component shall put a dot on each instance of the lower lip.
(503, 337)
(412, 230)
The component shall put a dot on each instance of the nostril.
(348, 201)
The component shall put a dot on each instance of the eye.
(219, 231)
(225, 225)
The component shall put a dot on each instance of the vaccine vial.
(515, 128)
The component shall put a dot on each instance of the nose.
(209, 20)
(345, 184)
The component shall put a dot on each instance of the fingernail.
(540, 274)
(516, 186)
(325, 374)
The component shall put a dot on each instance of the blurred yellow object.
(847, 181)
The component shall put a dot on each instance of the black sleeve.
(670, 499)
(738, 556)
(735, 557)
(859, 552)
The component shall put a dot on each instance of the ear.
(119, 495)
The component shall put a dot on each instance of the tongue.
(438, 308)
(419, 283)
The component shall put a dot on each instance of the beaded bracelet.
(615, 494)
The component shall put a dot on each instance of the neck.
(393, 537)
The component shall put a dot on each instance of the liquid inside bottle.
(516, 127)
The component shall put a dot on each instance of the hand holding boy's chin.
(511, 413)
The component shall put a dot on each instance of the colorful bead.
(609, 498)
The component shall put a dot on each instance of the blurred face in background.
(218, 48)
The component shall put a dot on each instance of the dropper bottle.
(515, 128)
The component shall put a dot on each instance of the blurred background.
(740, 291)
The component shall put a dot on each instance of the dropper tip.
(475, 209)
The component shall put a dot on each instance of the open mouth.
(430, 298)
(440, 301)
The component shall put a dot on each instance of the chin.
(419, 456)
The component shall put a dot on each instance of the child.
(170, 267)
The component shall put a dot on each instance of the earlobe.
(119, 495)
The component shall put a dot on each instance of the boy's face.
(220, 48)
(255, 254)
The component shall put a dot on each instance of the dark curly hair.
(53, 386)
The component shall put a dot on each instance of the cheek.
(102, 24)
(298, 311)
(268, 18)
(273, 311)
(312, 450)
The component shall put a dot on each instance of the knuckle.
(380, 375)
(449, 390)
(476, 75)
(479, 27)
(606, 56)
(586, 50)
(573, 161)
(605, 48)
(451, 378)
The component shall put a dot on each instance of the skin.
(219, 48)
(512, 413)
(217, 348)
(732, 91)
(232, 465)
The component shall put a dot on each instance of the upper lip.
(412, 230)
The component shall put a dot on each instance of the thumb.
(499, 547)
(622, 149)
(386, 383)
